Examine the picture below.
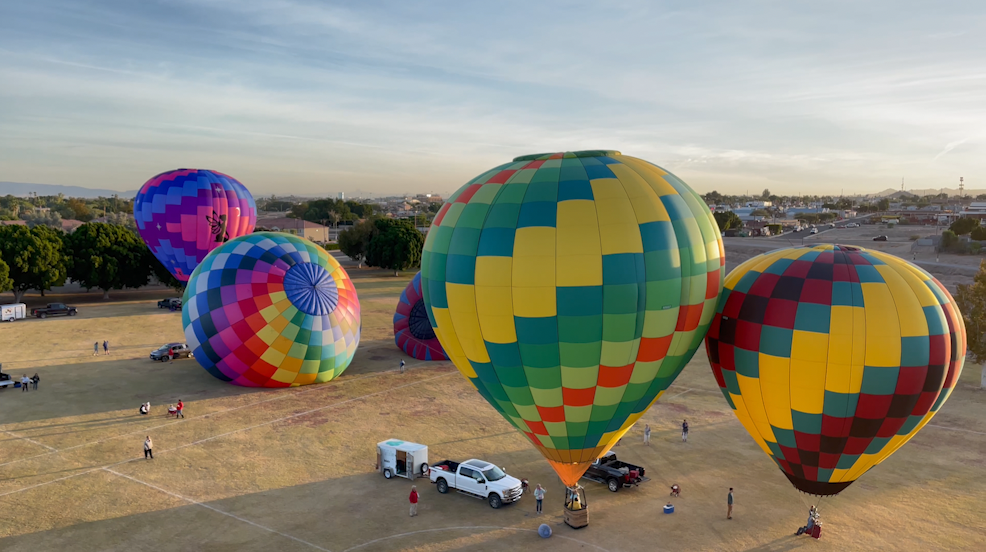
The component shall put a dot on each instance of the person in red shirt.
(181, 409)
(414, 500)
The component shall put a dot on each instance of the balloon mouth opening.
(568, 154)
(818, 488)
(418, 323)
(311, 289)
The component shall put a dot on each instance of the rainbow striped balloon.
(271, 310)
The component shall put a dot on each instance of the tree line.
(58, 207)
(97, 256)
(392, 244)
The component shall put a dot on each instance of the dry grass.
(292, 469)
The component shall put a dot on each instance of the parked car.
(15, 311)
(169, 303)
(615, 473)
(54, 309)
(880, 238)
(171, 351)
(394, 457)
(478, 479)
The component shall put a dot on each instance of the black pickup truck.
(614, 473)
(173, 303)
(54, 309)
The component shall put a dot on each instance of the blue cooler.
(668, 508)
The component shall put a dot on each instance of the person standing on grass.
(95, 348)
(414, 500)
(684, 431)
(402, 365)
(24, 383)
(539, 496)
(647, 434)
(729, 502)
(106, 347)
(35, 380)
(181, 409)
(147, 448)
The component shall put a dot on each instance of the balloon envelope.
(571, 289)
(833, 357)
(271, 310)
(184, 214)
(412, 329)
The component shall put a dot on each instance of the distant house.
(975, 210)
(13, 222)
(70, 225)
(309, 230)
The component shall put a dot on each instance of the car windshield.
(164, 347)
(494, 474)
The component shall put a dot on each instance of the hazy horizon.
(402, 97)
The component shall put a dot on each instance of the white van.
(16, 311)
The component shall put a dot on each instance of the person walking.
(402, 365)
(35, 379)
(729, 502)
(95, 348)
(684, 431)
(25, 381)
(539, 496)
(647, 434)
(413, 498)
(106, 347)
(147, 448)
(181, 409)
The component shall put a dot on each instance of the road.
(798, 237)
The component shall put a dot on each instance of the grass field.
(292, 469)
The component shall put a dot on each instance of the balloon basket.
(576, 508)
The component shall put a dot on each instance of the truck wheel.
(442, 486)
(495, 501)
(613, 485)
(72, 313)
(387, 474)
(42, 315)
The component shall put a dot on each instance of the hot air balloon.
(184, 214)
(571, 289)
(271, 310)
(412, 329)
(833, 357)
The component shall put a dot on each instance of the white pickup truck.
(477, 478)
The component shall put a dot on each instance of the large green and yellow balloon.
(571, 289)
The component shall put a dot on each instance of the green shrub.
(915, 237)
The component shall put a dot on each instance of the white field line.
(217, 510)
(678, 395)
(554, 535)
(32, 441)
(200, 441)
(199, 417)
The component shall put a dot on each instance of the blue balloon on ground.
(544, 531)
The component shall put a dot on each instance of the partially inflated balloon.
(412, 329)
(571, 289)
(184, 214)
(833, 357)
(271, 310)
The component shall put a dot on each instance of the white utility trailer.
(16, 311)
(402, 459)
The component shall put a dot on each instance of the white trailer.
(402, 459)
(16, 311)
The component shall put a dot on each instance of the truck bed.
(453, 467)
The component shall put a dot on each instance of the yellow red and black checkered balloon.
(571, 289)
(833, 357)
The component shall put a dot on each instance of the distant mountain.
(921, 192)
(23, 189)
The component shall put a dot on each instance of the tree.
(6, 284)
(727, 220)
(35, 258)
(760, 213)
(355, 242)
(964, 225)
(397, 245)
(43, 218)
(978, 233)
(108, 256)
(122, 219)
(883, 204)
(713, 198)
(971, 300)
(765, 195)
(948, 240)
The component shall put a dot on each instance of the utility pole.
(961, 187)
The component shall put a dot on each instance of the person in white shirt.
(539, 496)
(25, 381)
(147, 448)
(647, 434)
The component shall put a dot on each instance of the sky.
(317, 97)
